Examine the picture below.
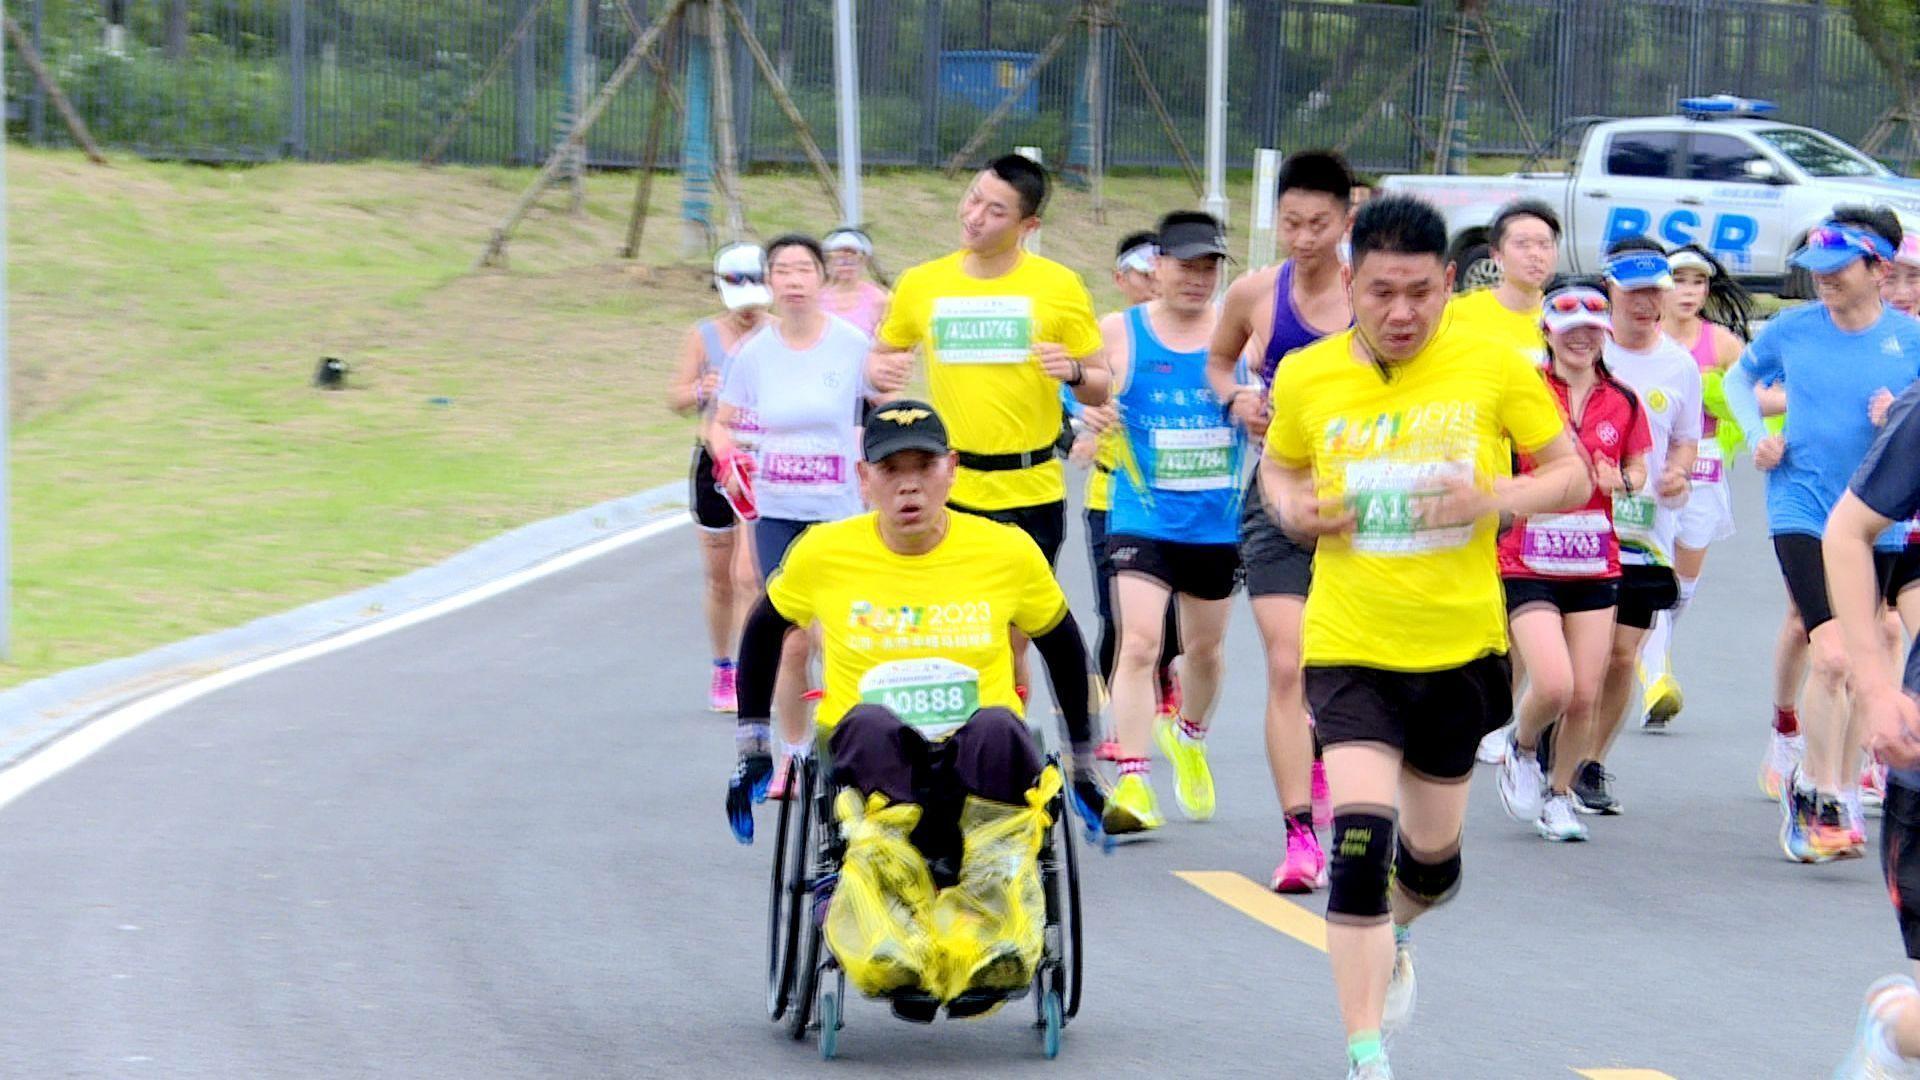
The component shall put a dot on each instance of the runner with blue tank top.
(1171, 529)
(1268, 314)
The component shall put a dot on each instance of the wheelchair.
(806, 988)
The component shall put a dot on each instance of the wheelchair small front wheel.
(829, 1023)
(1052, 1020)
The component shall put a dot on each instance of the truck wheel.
(1474, 268)
(1798, 286)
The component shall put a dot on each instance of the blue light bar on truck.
(1724, 105)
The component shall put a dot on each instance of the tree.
(1891, 31)
(176, 30)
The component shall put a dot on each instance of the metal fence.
(344, 79)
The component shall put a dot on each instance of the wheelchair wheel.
(1051, 1021)
(787, 900)
(810, 864)
(1070, 911)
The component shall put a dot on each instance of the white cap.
(740, 273)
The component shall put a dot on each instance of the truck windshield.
(1819, 155)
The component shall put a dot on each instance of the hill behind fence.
(329, 80)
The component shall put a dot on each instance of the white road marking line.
(83, 742)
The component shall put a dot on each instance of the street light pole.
(846, 69)
(1216, 198)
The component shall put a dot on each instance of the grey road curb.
(36, 713)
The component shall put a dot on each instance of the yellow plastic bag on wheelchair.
(877, 922)
(989, 928)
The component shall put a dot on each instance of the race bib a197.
(1193, 459)
(1389, 500)
(1565, 545)
(932, 694)
(983, 329)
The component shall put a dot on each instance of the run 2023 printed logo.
(1390, 468)
(958, 624)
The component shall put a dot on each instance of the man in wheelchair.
(944, 807)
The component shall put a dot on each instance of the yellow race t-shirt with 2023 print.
(978, 336)
(925, 635)
(1395, 594)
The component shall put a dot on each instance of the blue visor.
(1640, 270)
(1832, 248)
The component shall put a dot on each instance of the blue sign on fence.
(983, 77)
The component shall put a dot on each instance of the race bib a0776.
(982, 329)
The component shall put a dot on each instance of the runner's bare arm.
(692, 385)
(1230, 337)
(1289, 495)
(1675, 479)
(1558, 481)
(1847, 549)
(1113, 331)
(889, 369)
(1086, 376)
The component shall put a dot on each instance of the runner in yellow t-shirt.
(915, 605)
(1388, 447)
(1525, 238)
(1001, 330)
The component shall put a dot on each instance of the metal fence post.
(297, 78)
(525, 105)
(1816, 78)
(932, 33)
(37, 114)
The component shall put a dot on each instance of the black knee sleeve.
(1430, 881)
(1362, 859)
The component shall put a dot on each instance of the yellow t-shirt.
(1392, 594)
(977, 335)
(1106, 455)
(1484, 314)
(917, 632)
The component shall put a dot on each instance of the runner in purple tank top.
(1268, 314)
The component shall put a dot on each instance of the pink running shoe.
(782, 778)
(1305, 867)
(722, 695)
(1322, 798)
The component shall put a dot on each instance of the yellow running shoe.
(1663, 704)
(1131, 808)
(1192, 779)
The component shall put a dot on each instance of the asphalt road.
(491, 846)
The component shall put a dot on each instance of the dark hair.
(1398, 225)
(1728, 302)
(1321, 171)
(1135, 239)
(800, 240)
(1878, 219)
(1188, 217)
(1522, 208)
(1634, 243)
(1027, 177)
(1600, 369)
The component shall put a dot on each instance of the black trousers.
(991, 756)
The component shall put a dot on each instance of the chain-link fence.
(340, 79)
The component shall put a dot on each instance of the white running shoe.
(1402, 991)
(1493, 747)
(1559, 822)
(1377, 1069)
(1523, 789)
(1873, 1056)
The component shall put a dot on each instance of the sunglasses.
(742, 279)
(1567, 303)
(1842, 238)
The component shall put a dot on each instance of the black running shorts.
(1435, 718)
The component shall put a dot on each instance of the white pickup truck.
(1719, 174)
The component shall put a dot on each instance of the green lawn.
(174, 472)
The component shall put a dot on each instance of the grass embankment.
(174, 472)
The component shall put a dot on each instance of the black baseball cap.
(1190, 234)
(903, 425)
